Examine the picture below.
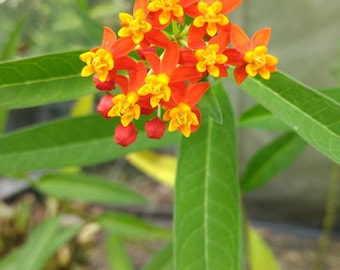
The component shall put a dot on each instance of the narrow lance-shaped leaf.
(117, 254)
(128, 226)
(71, 141)
(271, 160)
(88, 188)
(162, 260)
(312, 115)
(43, 242)
(41, 80)
(207, 207)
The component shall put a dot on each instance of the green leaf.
(162, 260)
(10, 49)
(260, 255)
(207, 204)
(312, 115)
(271, 160)
(88, 188)
(210, 106)
(259, 117)
(116, 254)
(41, 80)
(128, 226)
(72, 141)
(43, 242)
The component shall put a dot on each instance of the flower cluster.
(158, 62)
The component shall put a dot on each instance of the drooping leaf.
(41, 80)
(116, 254)
(207, 207)
(160, 167)
(259, 117)
(88, 188)
(71, 141)
(162, 260)
(43, 242)
(260, 255)
(128, 226)
(271, 160)
(312, 115)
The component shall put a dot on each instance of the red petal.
(222, 40)
(240, 74)
(109, 38)
(108, 85)
(239, 39)
(154, 61)
(122, 82)
(196, 92)
(187, 57)
(122, 47)
(261, 37)
(142, 4)
(195, 35)
(229, 5)
(186, 73)
(170, 58)
(157, 38)
(125, 63)
(137, 77)
(235, 58)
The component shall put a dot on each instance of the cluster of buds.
(159, 63)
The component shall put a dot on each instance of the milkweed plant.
(162, 79)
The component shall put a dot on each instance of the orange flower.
(250, 55)
(103, 60)
(181, 110)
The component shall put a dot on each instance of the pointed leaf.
(43, 242)
(71, 141)
(88, 188)
(270, 160)
(309, 113)
(259, 117)
(260, 255)
(41, 80)
(162, 260)
(207, 207)
(116, 254)
(124, 225)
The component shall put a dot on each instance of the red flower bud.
(125, 136)
(108, 85)
(105, 104)
(155, 128)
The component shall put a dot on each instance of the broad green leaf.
(259, 117)
(41, 80)
(160, 167)
(128, 226)
(162, 260)
(207, 204)
(88, 188)
(71, 141)
(271, 160)
(260, 255)
(210, 106)
(43, 242)
(11, 47)
(312, 115)
(116, 254)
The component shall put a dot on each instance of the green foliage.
(86, 188)
(117, 255)
(162, 260)
(207, 234)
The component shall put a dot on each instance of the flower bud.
(155, 128)
(108, 85)
(125, 136)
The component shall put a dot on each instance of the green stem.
(329, 218)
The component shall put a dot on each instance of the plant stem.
(329, 218)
